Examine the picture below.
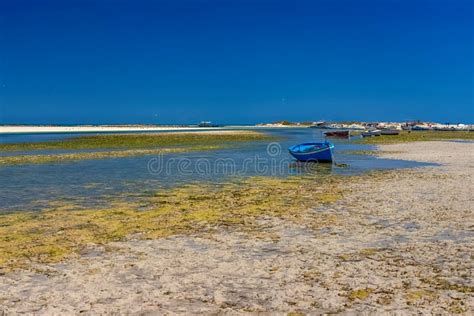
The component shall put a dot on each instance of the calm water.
(31, 187)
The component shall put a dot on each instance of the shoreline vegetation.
(64, 229)
(416, 136)
(53, 158)
(126, 145)
(139, 141)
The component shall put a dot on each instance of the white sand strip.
(91, 128)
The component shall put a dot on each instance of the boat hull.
(312, 152)
(444, 129)
(389, 132)
(337, 134)
(370, 133)
(420, 128)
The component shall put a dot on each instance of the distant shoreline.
(29, 129)
(112, 128)
(51, 129)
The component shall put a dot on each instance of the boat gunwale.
(326, 146)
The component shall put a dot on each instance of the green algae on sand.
(415, 136)
(54, 158)
(140, 141)
(64, 229)
(126, 145)
(360, 294)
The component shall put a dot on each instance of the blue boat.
(317, 152)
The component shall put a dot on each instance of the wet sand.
(399, 241)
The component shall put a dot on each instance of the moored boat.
(406, 127)
(445, 129)
(315, 152)
(320, 124)
(389, 132)
(371, 133)
(337, 134)
(420, 128)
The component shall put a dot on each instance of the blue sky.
(115, 61)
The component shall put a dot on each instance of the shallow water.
(91, 182)
(11, 138)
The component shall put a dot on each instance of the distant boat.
(445, 129)
(371, 133)
(337, 134)
(316, 152)
(389, 132)
(207, 124)
(420, 128)
(320, 124)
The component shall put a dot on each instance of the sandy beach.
(400, 241)
(26, 129)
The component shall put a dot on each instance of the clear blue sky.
(181, 61)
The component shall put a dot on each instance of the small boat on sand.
(444, 129)
(316, 152)
(371, 133)
(337, 134)
(389, 132)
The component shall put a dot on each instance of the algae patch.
(139, 141)
(360, 294)
(416, 136)
(125, 145)
(54, 158)
(65, 229)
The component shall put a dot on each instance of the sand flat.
(403, 241)
(28, 129)
(92, 128)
